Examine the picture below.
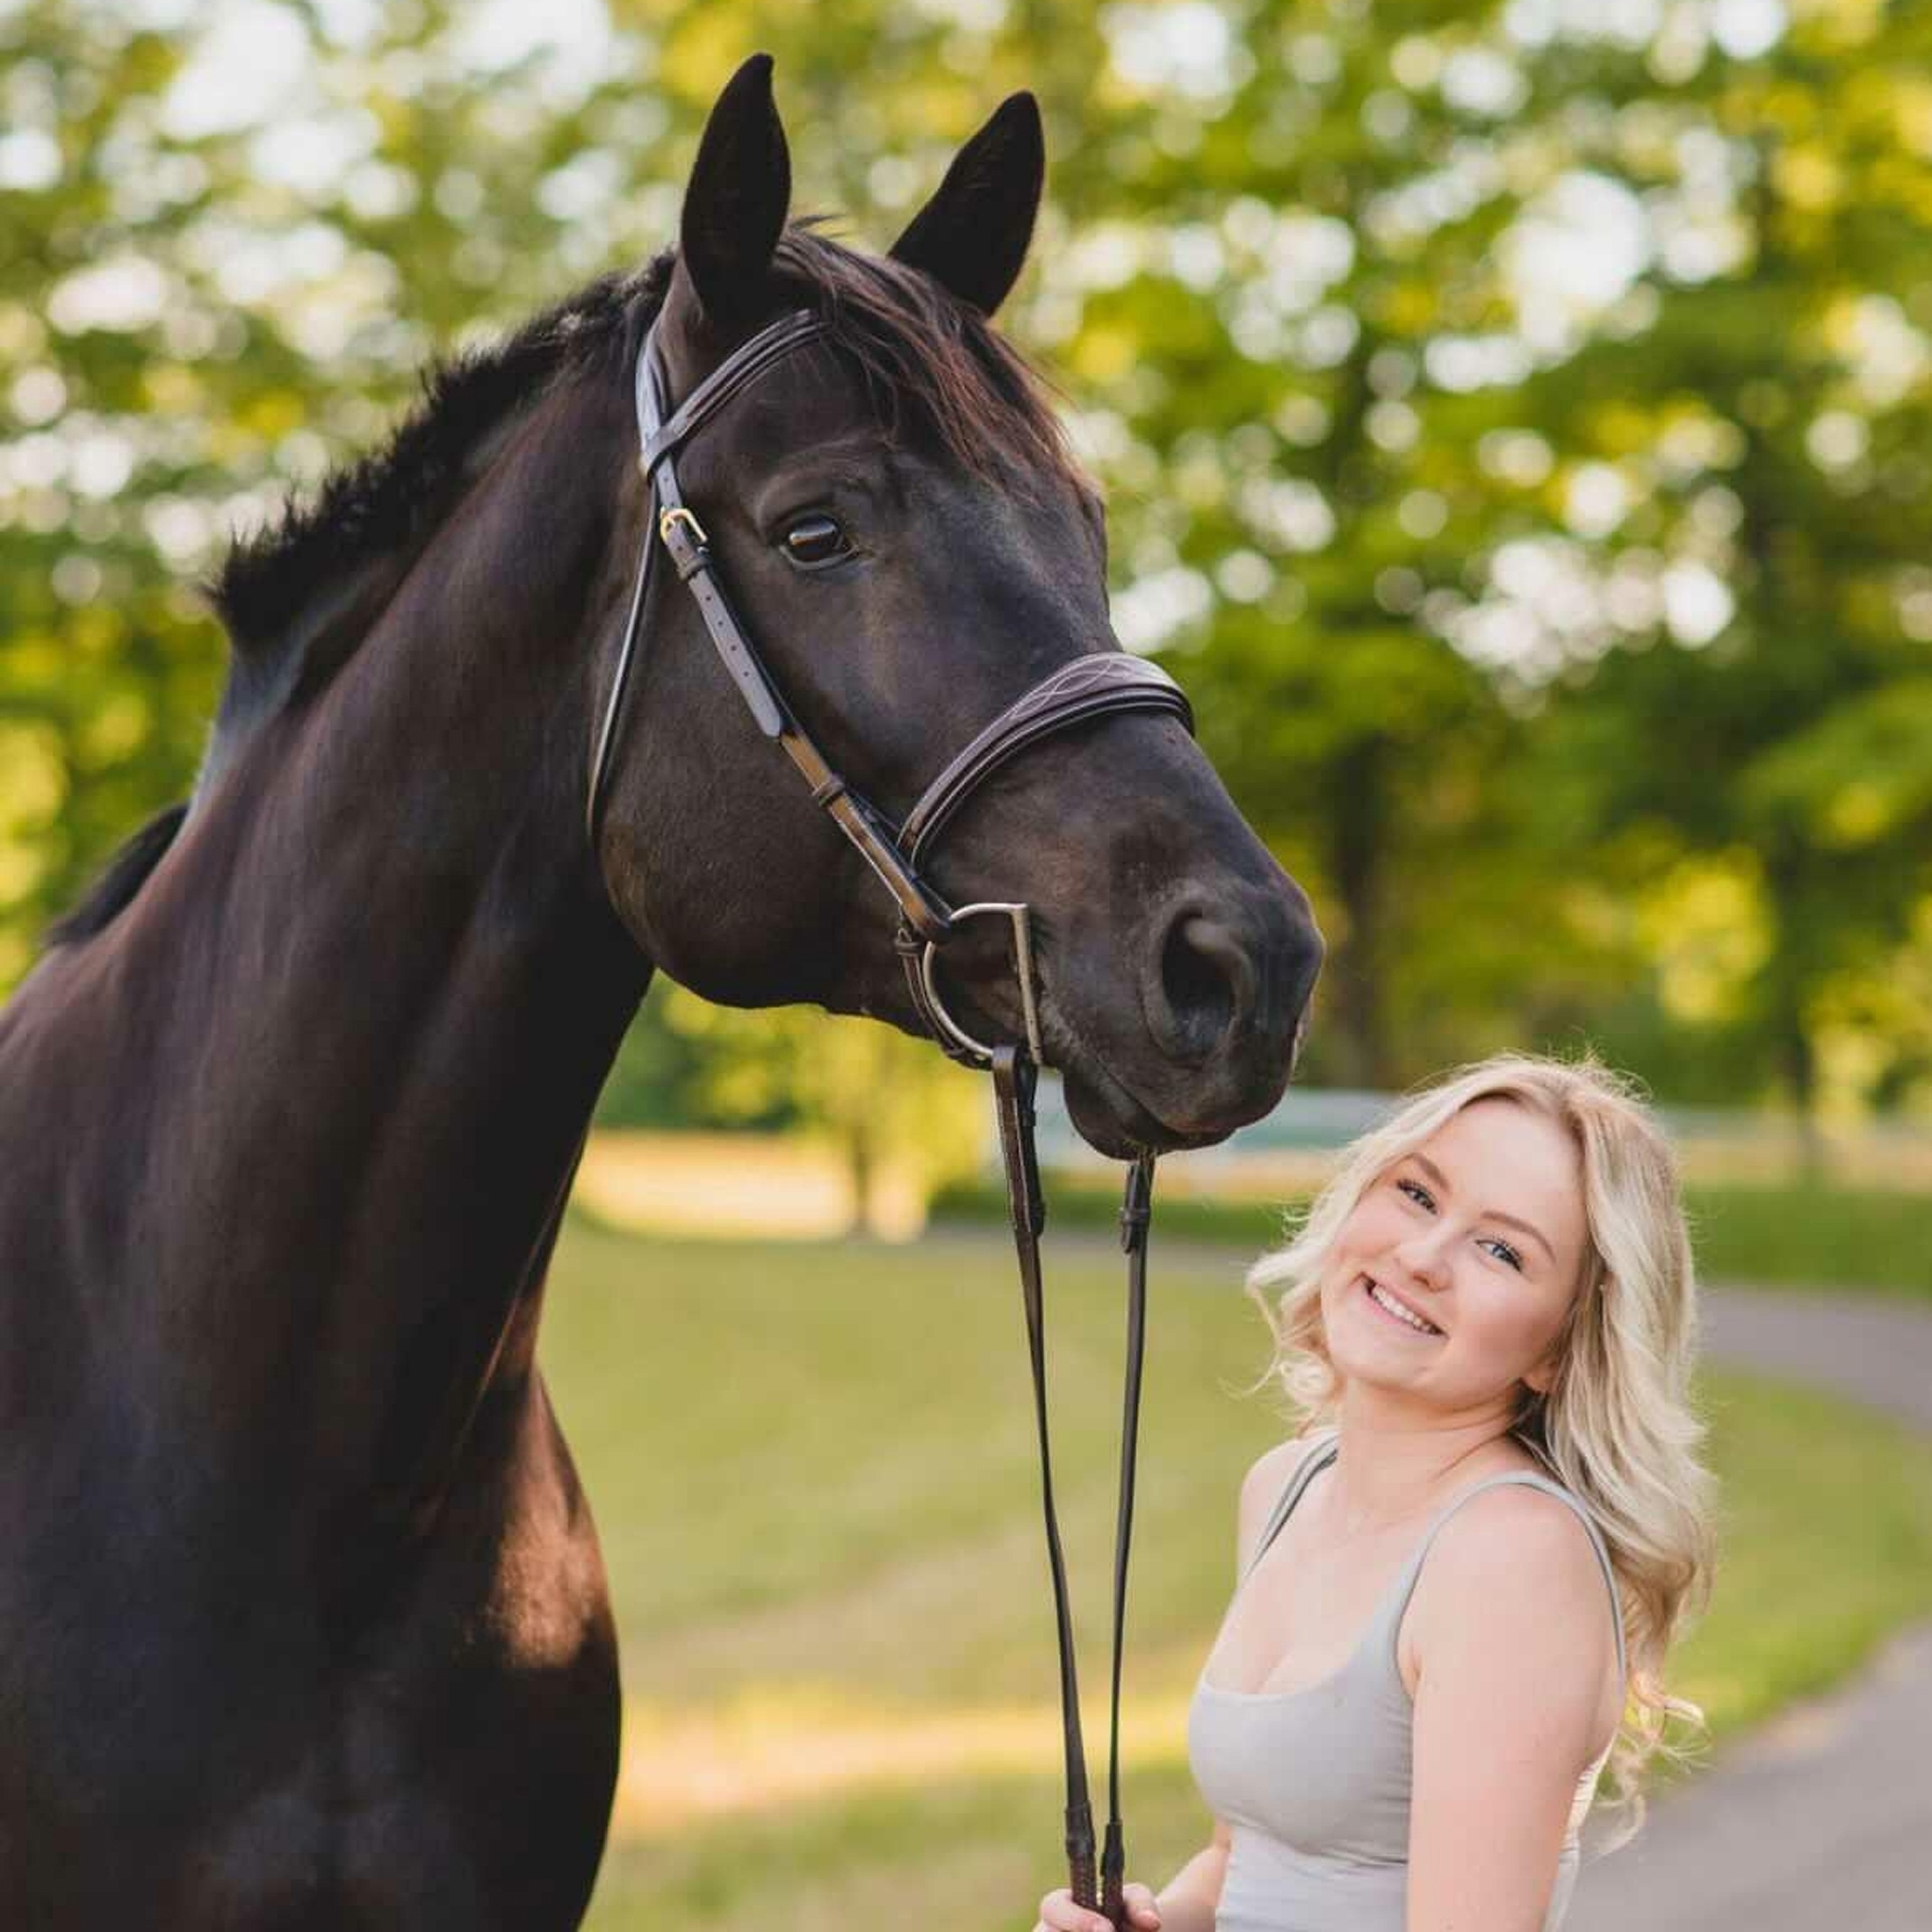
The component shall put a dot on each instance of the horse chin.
(1110, 1122)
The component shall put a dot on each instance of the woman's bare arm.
(1192, 1895)
(1512, 1645)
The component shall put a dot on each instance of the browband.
(658, 436)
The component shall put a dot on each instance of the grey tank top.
(1314, 1784)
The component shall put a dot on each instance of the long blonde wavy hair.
(1616, 1426)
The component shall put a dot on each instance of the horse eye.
(816, 540)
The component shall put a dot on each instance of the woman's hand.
(1059, 1914)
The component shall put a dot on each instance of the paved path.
(1877, 1352)
(1821, 1821)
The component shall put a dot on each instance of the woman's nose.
(1426, 1258)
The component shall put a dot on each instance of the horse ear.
(735, 204)
(972, 235)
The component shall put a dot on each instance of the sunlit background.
(1513, 420)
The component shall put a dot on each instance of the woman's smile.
(1393, 1309)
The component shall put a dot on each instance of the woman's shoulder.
(1498, 1513)
(1270, 1474)
(1510, 1621)
(1539, 1522)
(1543, 1544)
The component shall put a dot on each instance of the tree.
(1746, 501)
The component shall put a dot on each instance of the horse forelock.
(923, 352)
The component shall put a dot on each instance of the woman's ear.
(972, 236)
(736, 201)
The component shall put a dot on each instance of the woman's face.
(1481, 1232)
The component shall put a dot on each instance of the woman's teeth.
(1387, 1302)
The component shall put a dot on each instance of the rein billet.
(1092, 686)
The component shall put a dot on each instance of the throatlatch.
(1085, 688)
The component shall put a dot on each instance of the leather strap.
(1136, 1213)
(685, 541)
(1013, 1080)
(620, 685)
(1014, 1077)
(658, 435)
(1082, 689)
(657, 439)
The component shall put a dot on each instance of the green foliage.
(1516, 438)
(662, 1077)
(902, 1114)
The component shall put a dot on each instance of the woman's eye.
(817, 539)
(1506, 1254)
(1417, 1192)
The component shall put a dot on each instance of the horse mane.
(119, 880)
(923, 355)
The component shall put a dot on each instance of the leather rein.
(1083, 688)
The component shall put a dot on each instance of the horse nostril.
(1206, 982)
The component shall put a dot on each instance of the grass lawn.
(813, 1472)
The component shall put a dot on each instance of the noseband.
(1084, 689)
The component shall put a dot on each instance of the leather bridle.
(1085, 688)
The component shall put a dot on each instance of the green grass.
(1835, 1236)
(812, 1469)
(1800, 1235)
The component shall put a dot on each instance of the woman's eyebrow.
(1441, 1181)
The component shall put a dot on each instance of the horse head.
(909, 546)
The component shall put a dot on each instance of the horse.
(303, 1622)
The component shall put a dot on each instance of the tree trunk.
(1357, 864)
(862, 1165)
(1788, 984)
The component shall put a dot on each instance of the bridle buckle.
(678, 514)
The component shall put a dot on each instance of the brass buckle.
(678, 514)
(1029, 1005)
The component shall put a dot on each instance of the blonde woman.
(1459, 1581)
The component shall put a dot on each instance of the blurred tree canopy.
(1514, 419)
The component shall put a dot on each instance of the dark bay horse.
(302, 1620)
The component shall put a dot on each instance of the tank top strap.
(1313, 1459)
(1404, 1586)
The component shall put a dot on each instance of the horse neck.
(373, 992)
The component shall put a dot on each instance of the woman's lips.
(1394, 1321)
